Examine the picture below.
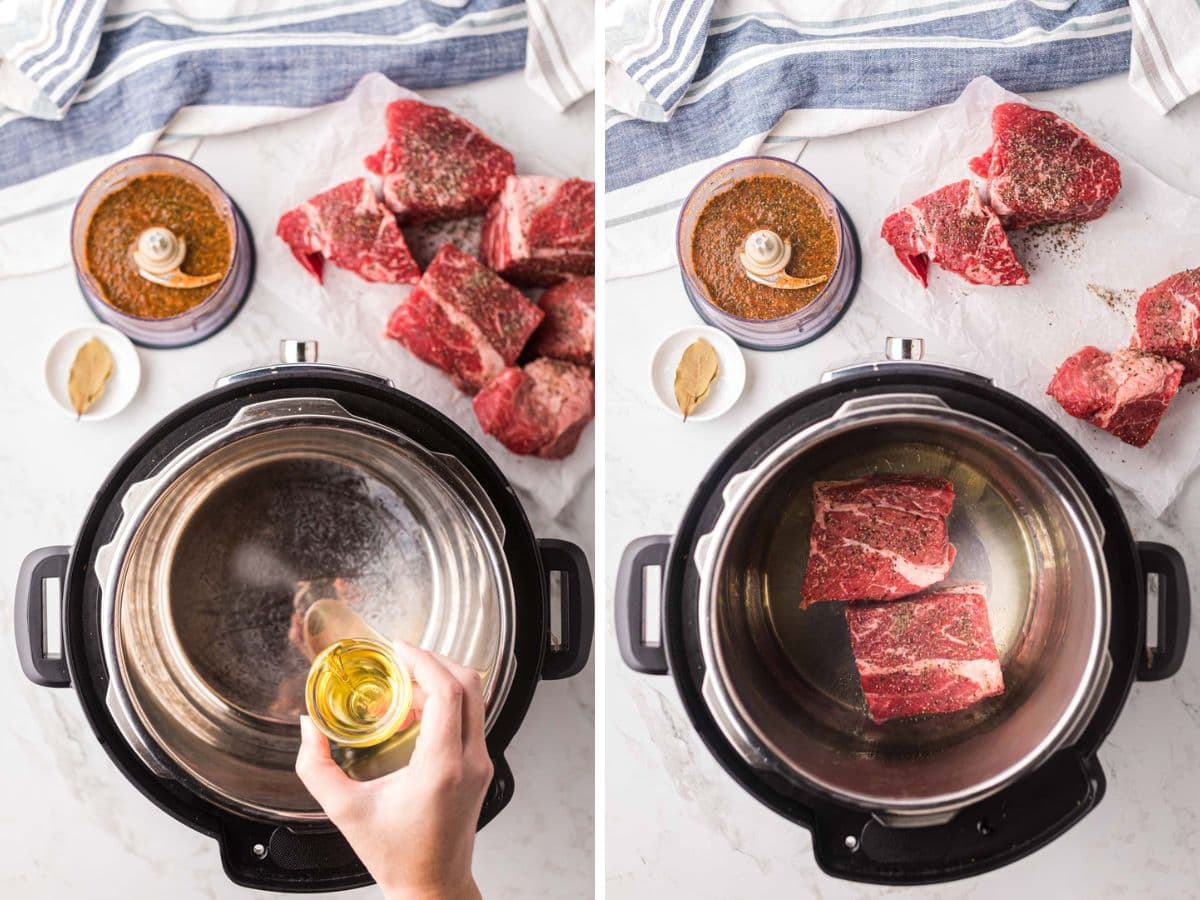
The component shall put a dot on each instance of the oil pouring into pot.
(297, 512)
(359, 693)
(772, 689)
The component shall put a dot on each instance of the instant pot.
(183, 591)
(773, 691)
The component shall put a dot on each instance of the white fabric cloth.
(559, 57)
(1164, 67)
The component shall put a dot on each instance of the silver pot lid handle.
(900, 351)
(898, 348)
(288, 408)
(295, 355)
(886, 403)
(292, 351)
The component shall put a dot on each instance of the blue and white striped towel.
(86, 82)
(1165, 68)
(691, 83)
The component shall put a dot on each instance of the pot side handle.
(499, 792)
(272, 857)
(629, 604)
(29, 610)
(1174, 611)
(569, 655)
(998, 830)
(278, 858)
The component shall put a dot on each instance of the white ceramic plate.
(731, 377)
(122, 385)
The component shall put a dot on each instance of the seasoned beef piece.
(932, 653)
(1042, 169)
(953, 228)
(349, 227)
(540, 410)
(436, 165)
(878, 538)
(569, 329)
(1168, 321)
(464, 319)
(1126, 393)
(540, 229)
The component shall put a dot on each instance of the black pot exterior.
(851, 843)
(263, 854)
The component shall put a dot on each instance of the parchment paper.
(357, 311)
(1084, 281)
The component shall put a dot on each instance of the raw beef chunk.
(539, 410)
(464, 319)
(932, 653)
(349, 227)
(436, 165)
(953, 228)
(1125, 393)
(878, 538)
(1042, 169)
(540, 229)
(1168, 321)
(569, 329)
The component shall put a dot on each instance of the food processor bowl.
(201, 321)
(805, 324)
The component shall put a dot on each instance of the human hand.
(414, 829)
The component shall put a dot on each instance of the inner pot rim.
(753, 742)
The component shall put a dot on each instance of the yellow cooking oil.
(359, 693)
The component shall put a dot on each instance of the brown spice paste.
(771, 202)
(149, 200)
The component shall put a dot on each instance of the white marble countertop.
(71, 825)
(676, 824)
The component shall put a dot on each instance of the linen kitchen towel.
(84, 83)
(654, 47)
(559, 62)
(693, 83)
(1165, 68)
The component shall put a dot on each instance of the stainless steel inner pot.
(218, 555)
(781, 681)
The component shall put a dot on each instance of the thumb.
(317, 769)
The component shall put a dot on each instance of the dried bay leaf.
(697, 370)
(90, 372)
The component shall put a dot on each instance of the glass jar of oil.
(359, 693)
